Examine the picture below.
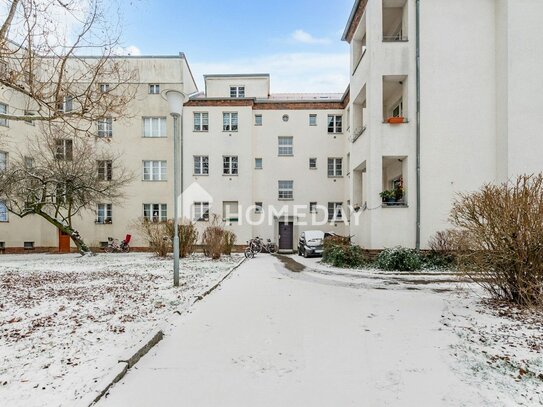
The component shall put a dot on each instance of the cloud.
(131, 50)
(306, 38)
(290, 72)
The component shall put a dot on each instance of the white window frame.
(313, 160)
(105, 170)
(62, 149)
(335, 167)
(312, 119)
(285, 146)
(103, 213)
(230, 121)
(237, 91)
(258, 120)
(105, 127)
(201, 165)
(230, 217)
(154, 127)
(4, 108)
(230, 165)
(257, 161)
(201, 121)
(337, 214)
(335, 123)
(312, 207)
(104, 87)
(154, 89)
(155, 170)
(67, 104)
(285, 190)
(155, 212)
(4, 213)
(398, 105)
(200, 211)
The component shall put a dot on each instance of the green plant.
(338, 252)
(399, 259)
(500, 238)
(229, 240)
(387, 195)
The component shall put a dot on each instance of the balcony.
(395, 21)
(394, 193)
(394, 95)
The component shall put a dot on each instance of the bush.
(501, 244)
(158, 236)
(229, 240)
(213, 239)
(339, 252)
(442, 250)
(188, 237)
(399, 259)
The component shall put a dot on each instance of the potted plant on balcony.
(399, 193)
(396, 120)
(388, 196)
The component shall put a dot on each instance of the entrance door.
(63, 242)
(286, 233)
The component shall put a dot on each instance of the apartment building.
(271, 162)
(143, 138)
(479, 94)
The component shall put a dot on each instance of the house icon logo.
(193, 193)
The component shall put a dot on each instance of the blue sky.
(298, 41)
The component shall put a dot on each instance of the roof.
(354, 18)
(238, 75)
(323, 97)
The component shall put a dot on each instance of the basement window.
(28, 245)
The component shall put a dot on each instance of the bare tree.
(42, 43)
(61, 176)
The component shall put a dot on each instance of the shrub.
(339, 252)
(158, 236)
(188, 237)
(229, 240)
(501, 244)
(442, 250)
(213, 239)
(399, 259)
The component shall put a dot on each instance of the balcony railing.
(360, 60)
(394, 38)
(357, 133)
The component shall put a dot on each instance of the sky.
(298, 42)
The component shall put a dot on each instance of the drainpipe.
(417, 44)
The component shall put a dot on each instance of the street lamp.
(175, 101)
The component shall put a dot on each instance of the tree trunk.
(74, 234)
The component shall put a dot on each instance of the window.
(230, 121)
(335, 167)
(29, 113)
(286, 189)
(312, 119)
(105, 127)
(64, 149)
(259, 208)
(66, 106)
(230, 165)
(105, 170)
(103, 214)
(312, 163)
(28, 245)
(258, 163)
(154, 127)
(335, 123)
(154, 170)
(104, 87)
(3, 212)
(201, 121)
(29, 163)
(285, 146)
(335, 211)
(237, 91)
(201, 211)
(3, 110)
(155, 212)
(201, 165)
(154, 89)
(3, 160)
(397, 111)
(312, 207)
(230, 211)
(61, 192)
(258, 120)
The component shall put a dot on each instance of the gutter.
(417, 237)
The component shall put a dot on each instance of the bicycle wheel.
(256, 247)
(108, 249)
(248, 253)
(272, 248)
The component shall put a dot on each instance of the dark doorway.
(286, 235)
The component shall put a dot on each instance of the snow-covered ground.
(334, 337)
(65, 320)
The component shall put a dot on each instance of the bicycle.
(113, 245)
(257, 245)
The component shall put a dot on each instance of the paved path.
(270, 337)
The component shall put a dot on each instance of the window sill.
(285, 155)
(154, 180)
(335, 133)
(229, 175)
(154, 137)
(201, 131)
(313, 169)
(103, 223)
(335, 176)
(200, 175)
(285, 199)
(394, 205)
(229, 131)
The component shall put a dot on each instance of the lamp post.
(175, 101)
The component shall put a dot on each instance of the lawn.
(65, 319)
